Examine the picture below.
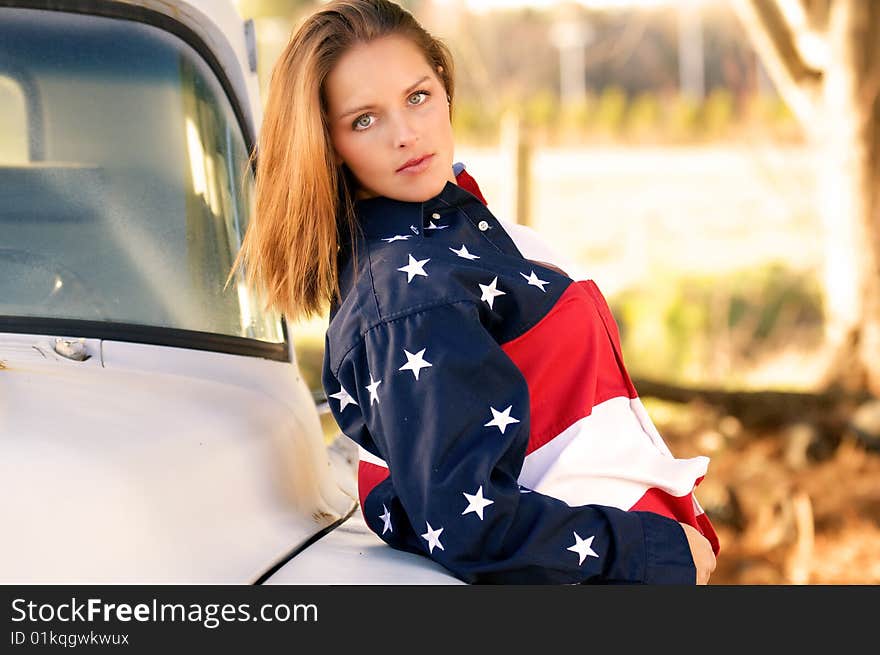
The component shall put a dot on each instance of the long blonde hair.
(303, 199)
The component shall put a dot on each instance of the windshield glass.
(124, 185)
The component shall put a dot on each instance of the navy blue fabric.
(416, 375)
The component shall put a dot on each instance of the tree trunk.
(850, 144)
(870, 98)
(834, 94)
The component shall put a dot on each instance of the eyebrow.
(409, 90)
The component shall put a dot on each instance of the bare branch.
(810, 41)
(817, 14)
(775, 42)
(869, 93)
(870, 90)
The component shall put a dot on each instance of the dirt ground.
(788, 508)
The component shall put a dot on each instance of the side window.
(123, 195)
(13, 123)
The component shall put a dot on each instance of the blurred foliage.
(575, 116)
(271, 8)
(310, 357)
(541, 110)
(643, 116)
(717, 114)
(704, 329)
(646, 118)
(681, 118)
(610, 111)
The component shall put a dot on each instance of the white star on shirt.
(534, 281)
(415, 267)
(583, 547)
(374, 384)
(398, 237)
(501, 419)
(490, 292)
(344, 398)
(386, 518)
(433, 538)
(415, 363)
(463, 252)
(434, 226)
(476, 503)
(414, 229)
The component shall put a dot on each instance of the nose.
(405, 134)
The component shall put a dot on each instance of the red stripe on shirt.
(568, 363)
(572, 361)
(369, 475)
(681, 509)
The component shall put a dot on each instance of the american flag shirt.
(499, 432)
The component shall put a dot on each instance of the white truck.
(154, 427)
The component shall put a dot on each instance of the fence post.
(517, 151)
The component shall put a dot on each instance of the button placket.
(490, 230)
(434, 216)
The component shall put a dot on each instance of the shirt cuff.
(668, 558)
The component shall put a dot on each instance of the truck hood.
(353, 555)
(149, 464)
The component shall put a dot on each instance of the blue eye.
(362, 122)
(418, 97)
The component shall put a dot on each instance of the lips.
(414, 164)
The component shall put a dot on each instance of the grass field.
(625, 214)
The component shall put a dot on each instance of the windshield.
(124, 184)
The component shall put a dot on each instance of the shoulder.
(414, 275)
(412, 282)
(391, 280)
(535, 247)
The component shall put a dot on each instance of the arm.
(451, 419)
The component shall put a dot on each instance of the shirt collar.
(382, 217)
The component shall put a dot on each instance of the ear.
(440, 75)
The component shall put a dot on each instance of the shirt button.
(483, 225)
(435, 215)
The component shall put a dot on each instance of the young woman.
(499, 431)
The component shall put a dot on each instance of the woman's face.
(389, 120)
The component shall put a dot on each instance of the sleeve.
(441, 403)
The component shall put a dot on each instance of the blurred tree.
(824, 57)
